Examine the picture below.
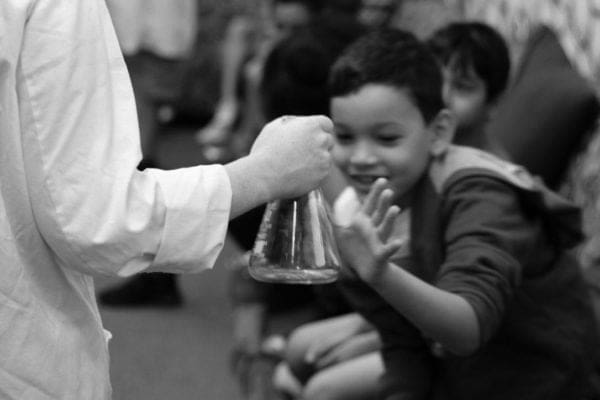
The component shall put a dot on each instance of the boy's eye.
(343, 137)
(388, 138)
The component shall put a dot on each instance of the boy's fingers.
(372, 198)
(387, 225)
(383, 205)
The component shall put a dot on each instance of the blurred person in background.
(475, 64)
(247, 41)
(157, 38)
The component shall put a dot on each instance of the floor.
(179, 354)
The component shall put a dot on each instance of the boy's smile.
(379, 132)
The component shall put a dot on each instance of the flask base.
(294, 276)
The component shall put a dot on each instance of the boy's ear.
(442, 129)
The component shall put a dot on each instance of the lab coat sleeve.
(80, 142)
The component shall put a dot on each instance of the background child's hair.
(464, 45)
(296, 70)
(390, 57)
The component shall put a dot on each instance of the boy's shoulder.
(563, 218)
(463, 161)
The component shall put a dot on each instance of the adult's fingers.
(324, 123)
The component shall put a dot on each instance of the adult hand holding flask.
(295, 243)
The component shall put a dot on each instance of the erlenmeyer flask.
(295, 243)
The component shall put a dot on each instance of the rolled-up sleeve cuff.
(198, 202)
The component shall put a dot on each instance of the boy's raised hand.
(366, 243)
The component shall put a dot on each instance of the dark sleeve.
(488, 239)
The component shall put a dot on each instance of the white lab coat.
(72, 203)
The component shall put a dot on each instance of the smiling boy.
(490, 304)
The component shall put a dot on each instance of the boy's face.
(379, 132)
(465, 94)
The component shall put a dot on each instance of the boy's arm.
(367, 244)
(445, 317)
(487, 240)
(442, 316)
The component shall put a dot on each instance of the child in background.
(247, 43)
(476, 67)
(489, 303)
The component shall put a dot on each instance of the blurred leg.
(236, 49)
(303, 338)
(355, 379)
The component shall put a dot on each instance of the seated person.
(471, 301)
(476, 68)
(246, 44)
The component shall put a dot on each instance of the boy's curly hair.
(390, 57)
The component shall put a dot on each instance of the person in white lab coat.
(73, 205)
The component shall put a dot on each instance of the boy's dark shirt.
(488, 232)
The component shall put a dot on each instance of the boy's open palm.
(366, 243)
